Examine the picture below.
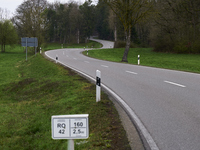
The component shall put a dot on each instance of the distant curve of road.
(164, 104)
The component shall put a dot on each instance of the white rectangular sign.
(70, 126)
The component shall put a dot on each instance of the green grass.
(90, 44)
(7, 66)
(183, 62)
(31, 92)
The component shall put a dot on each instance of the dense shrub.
(196, 47)
(181, 47)
(185, 46)
(176, 45)
(163, 44)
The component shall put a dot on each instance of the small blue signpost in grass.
(29, 42)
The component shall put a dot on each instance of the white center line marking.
(104, 66)
(131, 72)
(75, 58)
(86, 61)
(67, 56)
(175, 84)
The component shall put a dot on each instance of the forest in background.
(172, 26)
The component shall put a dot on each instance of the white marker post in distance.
(138, 59)
(98, 86)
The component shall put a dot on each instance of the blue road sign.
(29, 42)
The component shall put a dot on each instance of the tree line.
(167, 26)
(8, 34)
(176, 28)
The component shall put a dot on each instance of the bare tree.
(4, 14)
(75, 20)
(177, 26)
(113, 23)
(29, 20)
(130, 12)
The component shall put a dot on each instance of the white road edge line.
(180, 85)
(131, 72)
(75, 58)
(139, 124)
(104, 66)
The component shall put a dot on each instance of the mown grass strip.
(90, 44)
(183, 62)
(31, 92)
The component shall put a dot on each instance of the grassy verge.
(183, 62)
(31, 92)
(90, 44)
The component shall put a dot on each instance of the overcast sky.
(11, 5)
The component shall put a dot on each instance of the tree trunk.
(128, 42)
(64, 41)
(115, 33)
(2, 48)
(78, 35)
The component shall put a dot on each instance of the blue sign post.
(29, 42)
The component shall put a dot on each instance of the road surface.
(164, 104)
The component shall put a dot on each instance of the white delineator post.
(98, 86)
(138, 59)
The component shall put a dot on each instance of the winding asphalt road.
(164, 104)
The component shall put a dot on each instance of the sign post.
(70, 144)
(98, 86)
(29, 42)
(70, 127)
(26, 48)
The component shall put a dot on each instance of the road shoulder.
(132, 133)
